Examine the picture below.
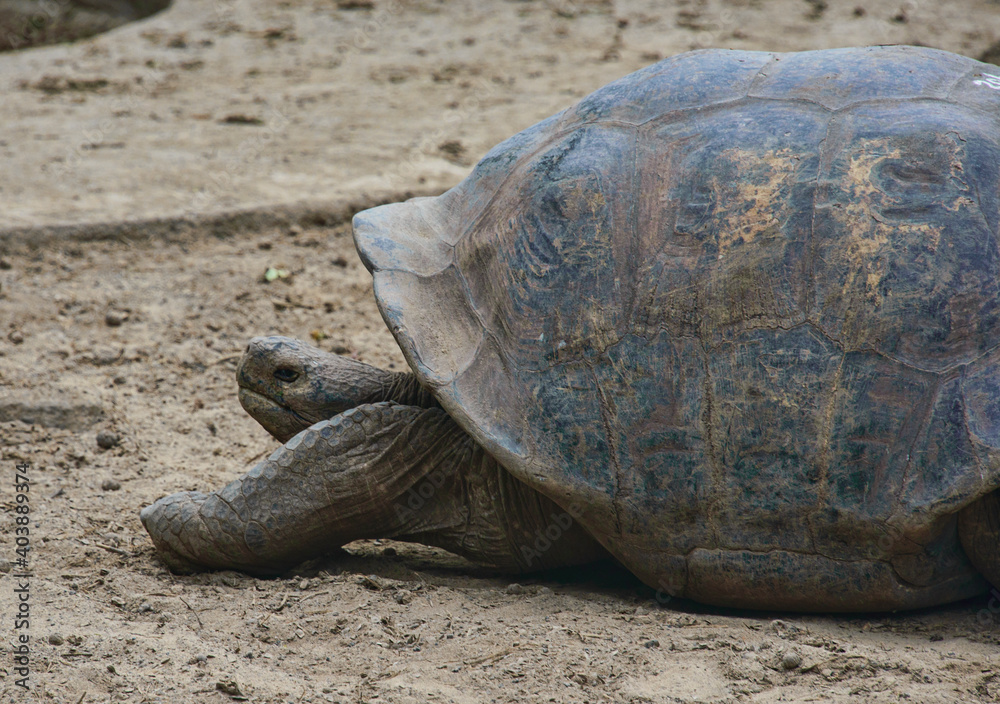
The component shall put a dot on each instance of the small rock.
(339, 261)
(403, 597)
(56, 639)
(144, 607)
(790, 660)
(15, 336)
(515, 589)
(304, 584)
(230, 687)
(114, 318)
(110, 485)
(390, 552)
(198, 660)
(105, 357)
(652, 643)
(545, 591)
(5, 265)
(107, 439)
(112, 670)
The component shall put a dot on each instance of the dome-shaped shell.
(740, 310)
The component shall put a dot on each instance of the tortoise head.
(287, 385)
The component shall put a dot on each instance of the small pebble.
(304, 584)
(515, 589)
(5, 265)
(107, 439)
(403, 597)
(114, 318)
(390, 552)
(105, 357)
(790, 660)
(111, 669)
(15, 336)
(144, 607)
(545, 591)
(56, 639)
(230, 687)
(110, 485)
(652, 643)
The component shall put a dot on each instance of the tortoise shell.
(739, 312)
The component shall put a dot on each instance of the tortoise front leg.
(376, 471)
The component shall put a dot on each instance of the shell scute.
(905, 246)
(837, 78)
(688, 81)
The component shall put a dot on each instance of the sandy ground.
(152, 174)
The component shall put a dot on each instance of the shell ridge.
(758, 77)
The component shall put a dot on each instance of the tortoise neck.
(405, 389)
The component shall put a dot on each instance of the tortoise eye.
(285, 374)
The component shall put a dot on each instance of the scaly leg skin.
(380, 470)
(979, 531)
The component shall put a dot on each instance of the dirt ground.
(153, 174)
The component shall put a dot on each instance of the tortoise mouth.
(282, 421)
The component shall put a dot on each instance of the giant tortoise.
(733, 319)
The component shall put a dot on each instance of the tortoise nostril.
(285, 374)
